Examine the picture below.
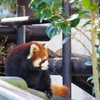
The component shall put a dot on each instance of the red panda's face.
(39, 56)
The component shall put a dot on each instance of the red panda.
(30, 62)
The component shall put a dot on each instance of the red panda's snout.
(44, 65)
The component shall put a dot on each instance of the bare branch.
(82, 44)
(83, 34)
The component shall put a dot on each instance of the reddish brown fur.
(60, 90)
(38, 54)
(41, 52)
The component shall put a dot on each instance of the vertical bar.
(21, 30)
(67, 54)
(26, 4)
(21, 34)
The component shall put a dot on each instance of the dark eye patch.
(43, 61)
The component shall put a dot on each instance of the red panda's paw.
(48, 93)
(60, 90)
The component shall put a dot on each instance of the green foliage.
(53, 11)
(51, 31)
(65, 40)
(98, 36)
(3, 51)
(89, 5)
(93, 90)
(11, 3)
(88, 63)
(87, 23)
(44, 8)
(7, 8)
(90, 78)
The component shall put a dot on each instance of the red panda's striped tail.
(60, 90)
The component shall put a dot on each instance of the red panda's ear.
(33, 48)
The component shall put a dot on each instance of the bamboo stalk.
(94, 60)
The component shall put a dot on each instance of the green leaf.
(66, 28)
(34, 3)
(73, 17)
(42, 17)
(43, 14)
(37, 14)
(2, 54)
(55, 17)
(98, 49)
(59, 23)
(92, 81)
(90, 6)
(38, 2)
(41, 7)
(1, 48)
(93, 91)
(75, 22)
(49, 28)
(87, 23)
(88, 63)
(51, 31)
(31, 4)
(82, 13)
(99, 74)
(65, 40)
(48, 1)
(97, 1)
(47, 13)
(98, 35)
(90, 78)
(57, 10)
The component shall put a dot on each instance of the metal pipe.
(18, 21)
(21, 29)
(67, 54)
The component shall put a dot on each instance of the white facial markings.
(45, 57)
(33, 48)
(42, 63)
(44, 66)
(36, 63)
